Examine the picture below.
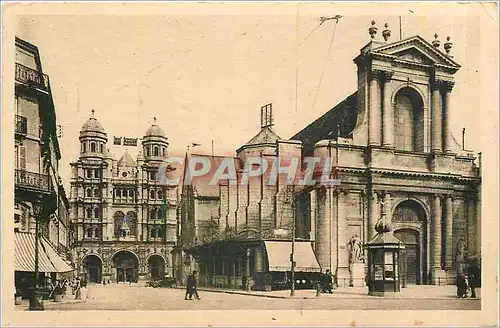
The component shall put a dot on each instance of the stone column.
(436, 118)
(373, 214)
(436, 268)
(333, 196)
(388, 206)
(471, 226)
(447, 116)
(388, 113)
(342, 239)
(449, 233)
(374, 115)
(312, 234)
(323, 223)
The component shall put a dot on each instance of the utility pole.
(292, 256)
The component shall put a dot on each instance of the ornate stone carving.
(355, 248)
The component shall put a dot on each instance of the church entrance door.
(127, 265)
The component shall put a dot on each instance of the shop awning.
(278, 255)
(48, 259)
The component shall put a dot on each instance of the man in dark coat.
(473, 275)
(191, 287)
(328, 282)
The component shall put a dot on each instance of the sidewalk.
(24, 306)
(421, 292)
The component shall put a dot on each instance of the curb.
(235, 292)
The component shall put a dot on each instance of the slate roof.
(344, 113)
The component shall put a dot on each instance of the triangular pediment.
(416, 50)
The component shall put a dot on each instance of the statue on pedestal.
(355, 250)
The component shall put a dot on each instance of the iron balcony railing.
(21, 124)
(33, 77)
(32, 180)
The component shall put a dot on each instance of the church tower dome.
(154, 143)
(93, 139)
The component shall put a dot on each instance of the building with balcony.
(124, 220)
(36, 175)
(390, 145)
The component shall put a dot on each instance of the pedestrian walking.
(328, 282)
(461, 285)
(473, 274)
(191, 287)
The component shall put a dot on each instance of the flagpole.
(400, 27)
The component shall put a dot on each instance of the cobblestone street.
(134, 297)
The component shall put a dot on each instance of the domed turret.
(154, 143)
(93, 139)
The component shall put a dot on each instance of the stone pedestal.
(438, 277)
(357, 275)
(343, 277)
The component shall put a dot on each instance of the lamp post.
(36, 301)
(292, 259)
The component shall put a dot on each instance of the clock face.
(124, 174)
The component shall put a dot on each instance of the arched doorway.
(156, 267)
(409, 227)
(408, 121)
(92, 267)
(126, 265)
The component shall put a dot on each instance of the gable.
(417, 50)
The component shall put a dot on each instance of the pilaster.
(375, 109)
(449, 232)
(388, 112)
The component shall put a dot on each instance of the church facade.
(124, 219)
(395, 156)
(391, 147)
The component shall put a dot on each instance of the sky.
(205, 76)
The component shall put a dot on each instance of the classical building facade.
(36, 176)
(395, 156)
(124, 218)
(391, 147)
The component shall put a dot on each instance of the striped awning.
(48, 259)
(278, 256)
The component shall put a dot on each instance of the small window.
(160, 194)
(88, 172)
(152, 214)
(118, 193)
(159, 234)
(147, 151)
(163, 151)
(89, 233)
(89, 192)
(89, 213)
(96, 232)
(155, 151)
(92, 147)
(84, 147)
(96, 212)
(152, 194)
(101, 148)
(97, 173)
(153, 233)
(131, 193)
(160, 214)
(96, 193)
(152, 175)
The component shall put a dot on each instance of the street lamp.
(36, 300)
